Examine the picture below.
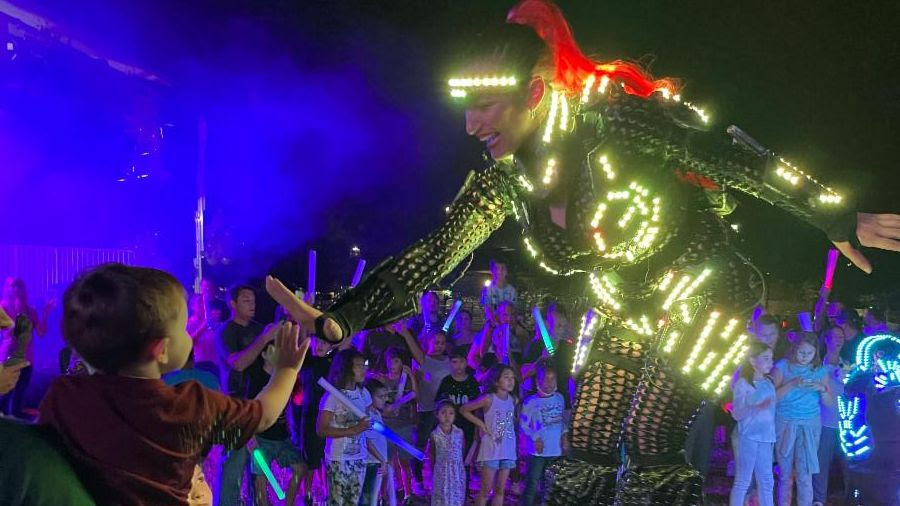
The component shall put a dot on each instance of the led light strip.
(586, 337)
(551, 117)
(704, 334)
(735, 351)
(588, 84)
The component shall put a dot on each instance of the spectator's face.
(438, 344)
(446, 415)
(762, 362)
(178, 347)
(201, 494)
(767, 334)
(359, 369)
(245, 305)
(805, 353)
(463, 321)
(834, 339)
(507, 381)
(379, 397)
(458, 365)
(430, 305)
(548, 382)
(396, 365)
(498, 272)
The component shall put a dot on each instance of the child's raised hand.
(288, 350)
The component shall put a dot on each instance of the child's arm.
(527, 425)
(482, 403)
(275, 395)
(414, 349)
(324, 428)
(370, 445)
(782, 387)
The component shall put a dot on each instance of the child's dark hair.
(373, 386)
(746, 370)
(458, 352)
(543, 367)
(112, 313)
(444, 402)
(236, 290)
(341, 372)
(392, 352)
(802, 338)
(493, 377)
(489, 360)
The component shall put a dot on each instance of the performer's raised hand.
(302, 312)
(880, 231)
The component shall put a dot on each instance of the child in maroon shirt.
(138, 439)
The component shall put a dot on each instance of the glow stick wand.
(833, 255)
(260, 459)
(357, 276)
(376, 426)
(452, 315)
(536, 312)
(311, 278)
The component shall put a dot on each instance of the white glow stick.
(452, 315)
(376, 425)
(406, 398)
(401, 386)
(311, 277)
(357, 276)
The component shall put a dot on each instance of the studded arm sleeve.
(674, 131)
(390, 291)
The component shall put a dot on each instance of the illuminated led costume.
(869, 427)
(646, 188)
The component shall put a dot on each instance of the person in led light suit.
(869, 427)
(620, 182)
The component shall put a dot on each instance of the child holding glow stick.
(345, 448)
(400, 418)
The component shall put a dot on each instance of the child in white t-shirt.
(376, 444)
(544, 429)
(345, 443)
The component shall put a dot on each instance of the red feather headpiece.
(572, 67)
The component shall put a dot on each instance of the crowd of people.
(489, 407)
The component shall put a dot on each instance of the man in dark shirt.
(240, 345)
(460, 387)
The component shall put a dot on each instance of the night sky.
(329, 125)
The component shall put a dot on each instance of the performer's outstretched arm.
(389, 292)
(672, 130)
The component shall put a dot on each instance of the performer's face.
(502, 121)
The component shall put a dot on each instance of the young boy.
(376, 443)
(138, 439)
(275, 444)
(544, 429)
(460, 387)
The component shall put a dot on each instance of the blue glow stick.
(261, 462)
(357, 276)
(452, 315)
(543, 328)
(376, 426)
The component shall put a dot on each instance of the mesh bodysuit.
(643, 185)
